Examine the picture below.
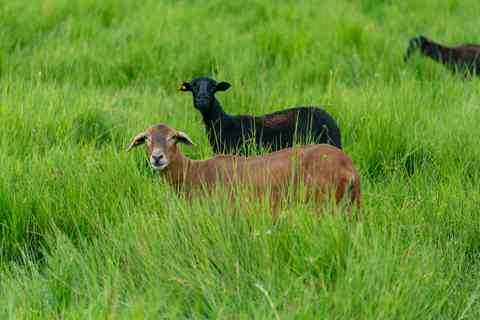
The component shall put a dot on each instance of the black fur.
(275, 131)
(465, 58)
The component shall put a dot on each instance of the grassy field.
(87, 231)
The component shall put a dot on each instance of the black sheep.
(274, 131)
(465, 57)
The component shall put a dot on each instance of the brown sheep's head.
(161, 142)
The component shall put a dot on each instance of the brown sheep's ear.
(222, 86)
(138, 140)
(182, 137)
(185, 87)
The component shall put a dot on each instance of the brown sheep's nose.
(157, 159)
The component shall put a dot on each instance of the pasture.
(88, 231)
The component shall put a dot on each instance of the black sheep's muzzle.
(203, 103)
(412, 46)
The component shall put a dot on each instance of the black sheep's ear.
(185, 87)
(422, 38)
(222, 86)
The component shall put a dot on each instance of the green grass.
(87, 231)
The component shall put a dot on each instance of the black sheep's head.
(414, 44)
(203, 90)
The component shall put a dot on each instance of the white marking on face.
(158, 160)
(156, 152)
(159, 168)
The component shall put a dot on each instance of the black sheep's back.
(302, 125)
(277, 130)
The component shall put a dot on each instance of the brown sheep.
(321, 168)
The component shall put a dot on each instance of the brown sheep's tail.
(348, 196)
(351, 196)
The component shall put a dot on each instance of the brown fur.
(278, 119)
(321, 168)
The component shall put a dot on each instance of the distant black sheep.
(465, 58)
(275, 131)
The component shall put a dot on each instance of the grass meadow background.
(87, 231)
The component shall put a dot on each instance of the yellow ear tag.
(183, 87)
